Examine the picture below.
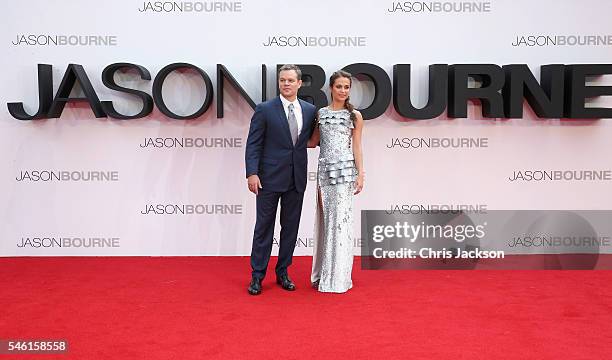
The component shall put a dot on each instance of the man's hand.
(254, 184)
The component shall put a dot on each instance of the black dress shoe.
(315, 285)
(255, 286)
(285, 282)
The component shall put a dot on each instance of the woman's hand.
(314, 138)
(359, 184)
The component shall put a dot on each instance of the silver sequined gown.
(333, 234)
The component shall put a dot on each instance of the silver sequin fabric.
(333, 234)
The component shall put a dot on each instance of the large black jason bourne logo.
(561, 91)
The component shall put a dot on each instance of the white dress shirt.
(297, 110)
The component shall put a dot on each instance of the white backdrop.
(82, 210)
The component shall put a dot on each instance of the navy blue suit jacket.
(270, 152)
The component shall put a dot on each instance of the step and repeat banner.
(123, 123)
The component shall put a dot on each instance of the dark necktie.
(293, 125)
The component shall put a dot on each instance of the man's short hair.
(291, 67)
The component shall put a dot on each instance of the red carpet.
(198, 308)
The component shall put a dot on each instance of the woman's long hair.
(347, 104)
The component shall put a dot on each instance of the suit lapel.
(282, 117)
(306, 120)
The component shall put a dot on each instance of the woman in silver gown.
(340, 176)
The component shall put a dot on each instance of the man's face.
(288, 83)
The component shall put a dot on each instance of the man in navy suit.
(276, 169)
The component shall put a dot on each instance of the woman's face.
(341, 88)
